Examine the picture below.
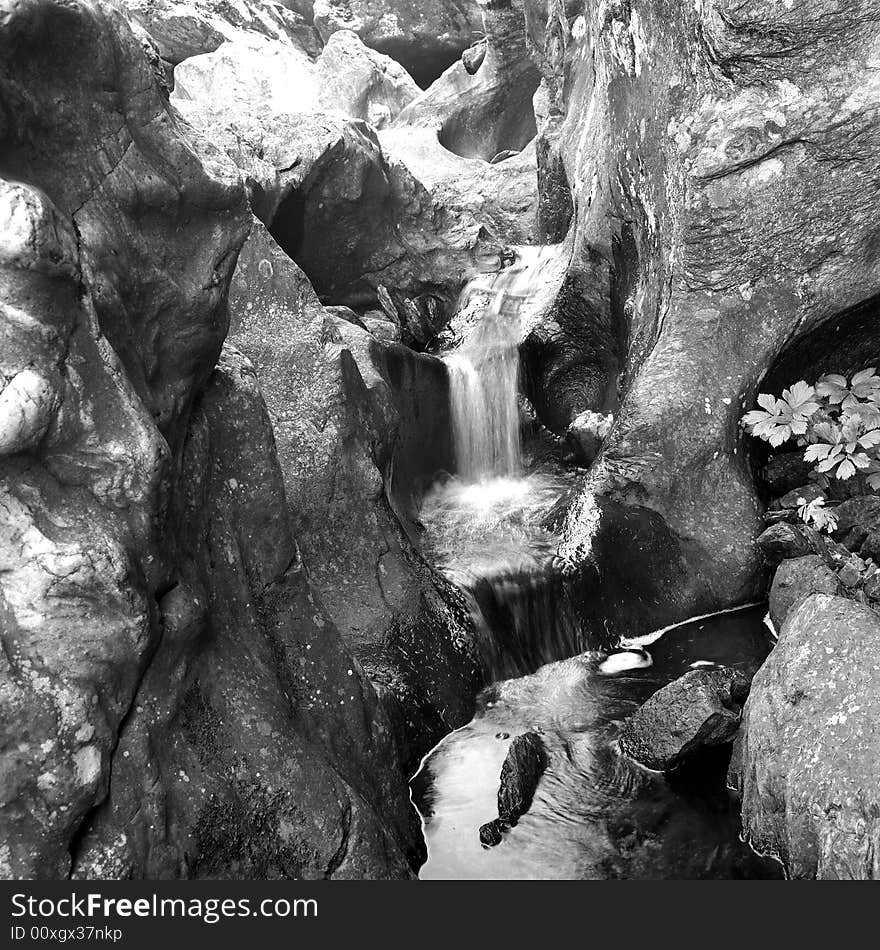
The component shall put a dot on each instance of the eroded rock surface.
(754, 151)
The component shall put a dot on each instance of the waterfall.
(484, 527)
(484, 370)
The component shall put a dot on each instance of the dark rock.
(800, 496)
(491, 833)
(861, 512)
(522, 769)
(701, 708)
(809, 746)
(855, 538)
(872, 587)
(795, 580)
(781, 541)
(347, 409)
(786, 471)
(870, 546)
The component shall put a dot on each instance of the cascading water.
(595, 814)
(484, 526)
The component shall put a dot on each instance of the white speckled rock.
(806, 761)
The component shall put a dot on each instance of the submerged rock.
(808, 752)
(700, 709)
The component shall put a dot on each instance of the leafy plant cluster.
(836, 421)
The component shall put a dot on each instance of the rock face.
(808, 753)
(184, 28)
(700, 709)
(740, 126)
(174, 699)
(487, 112)
(361, 427)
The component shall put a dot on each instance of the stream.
(596, 814)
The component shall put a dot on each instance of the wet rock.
(795, 580)
(520, 774)
(781, 541)
(522, 770)
(809, 747)
(492, 833)
(700, 709)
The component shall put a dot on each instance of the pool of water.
(596, 814)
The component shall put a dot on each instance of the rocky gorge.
(371, 386)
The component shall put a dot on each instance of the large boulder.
(425, 36)
(698, 710)
(806, 763)
(157, 624)
(255, 746)
(256, 73)
(718, 275)
(361, 426)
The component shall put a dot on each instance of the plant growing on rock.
(836, 422)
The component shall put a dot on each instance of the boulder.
(522, 770)
(795, 580)
(360, 426)
(350, 207)
(256, 73)
(267, 753)
(782, 541)
(809, 747)
(426, 36)
(861, 512)
(700, 709)
(112, 314)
